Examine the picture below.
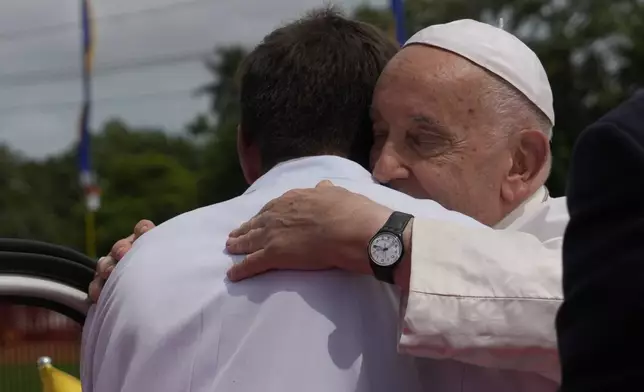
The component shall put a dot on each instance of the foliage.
(589, 48)
(221, 177)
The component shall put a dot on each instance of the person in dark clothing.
(600, 326)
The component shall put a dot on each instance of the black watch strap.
(396, 224)
(383, 274)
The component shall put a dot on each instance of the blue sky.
(39, 48)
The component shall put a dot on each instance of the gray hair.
(515, 110)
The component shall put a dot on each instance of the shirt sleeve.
(484, 297)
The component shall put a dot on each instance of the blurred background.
(165, 112)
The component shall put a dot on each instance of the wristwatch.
(386, 248)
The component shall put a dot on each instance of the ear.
(529, 161)
(249, 157)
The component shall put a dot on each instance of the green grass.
(25, 378)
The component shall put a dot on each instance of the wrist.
(362, 235)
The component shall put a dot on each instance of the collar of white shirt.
(531, 204)
(319, 167)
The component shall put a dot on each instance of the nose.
(389, 166)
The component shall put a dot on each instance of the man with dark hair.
(168, 320)
(307, 88)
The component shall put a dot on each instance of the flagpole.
(398, 10)
(87, 178)
(90, 233)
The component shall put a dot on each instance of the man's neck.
(270, 166)
(322, 166)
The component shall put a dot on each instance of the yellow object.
(54, 380)
(90, 234)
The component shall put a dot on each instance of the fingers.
(254, 264)
(95, 289)
(142, 227)
(323, 184)
(105, 267)
(257, 222)
(241, 230)
(250, 242)
(121, 247)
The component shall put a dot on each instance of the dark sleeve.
(600, 326)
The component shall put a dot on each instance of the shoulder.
(619, 131)
(608, 158)
(181, 245)
(548, 222)
(627, 117)
(169, 271)
(192, 227)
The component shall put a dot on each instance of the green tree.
(200, 126)
(381, 18)
(151, 185)
(142, 173)
(221, 177)
(35, 198)
(223, 90)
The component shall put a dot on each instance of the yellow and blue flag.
(84, 161)
(398, 9)
(86, 174)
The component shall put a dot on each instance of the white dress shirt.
(168, 320)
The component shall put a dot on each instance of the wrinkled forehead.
(427, 62)
(423, 80)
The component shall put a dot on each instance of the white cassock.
(480, 296)
(489, 298)
(168, 320)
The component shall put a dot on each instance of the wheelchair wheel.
(44, 275)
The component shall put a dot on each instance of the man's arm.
(481, 296)
(477, 295)
(601, 323)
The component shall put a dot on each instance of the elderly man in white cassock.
(462, 115)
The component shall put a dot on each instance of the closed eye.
(428, 142)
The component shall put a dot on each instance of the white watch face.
(385, 249)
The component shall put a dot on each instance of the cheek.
(438, 171)
(445, 184)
